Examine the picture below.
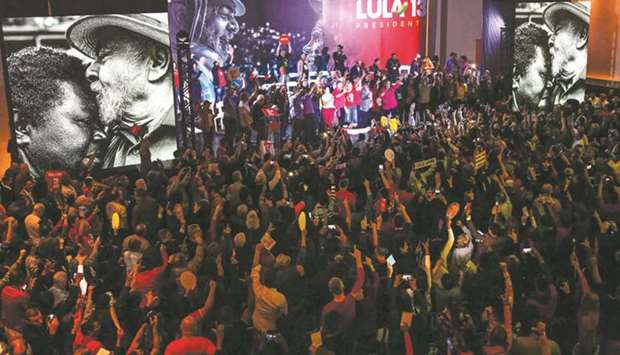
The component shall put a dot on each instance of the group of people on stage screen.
(335, 93)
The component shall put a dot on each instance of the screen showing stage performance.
(265, 39)
(90, 90)
(550, 53)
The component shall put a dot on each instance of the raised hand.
(357, 254)
(503, 267)
(574, 261)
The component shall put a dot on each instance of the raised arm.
(278, 48)
(157, 340)
(596, 275)
(500, 160)
(500, 184)
(276, 178)
(508, 298)
(347, 213)
(386, 182)
(359, 266)
(94, 252)
(368, 205)
(199, 254)
(215, 219)
(13, 269)
(583, 282)
(449, 243)
(374, 235)
(135, 343)
(117, 324)
(208, 305)
(403, 211)
(10, 223)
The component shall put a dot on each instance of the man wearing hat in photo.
(569, 24)
(132, 78)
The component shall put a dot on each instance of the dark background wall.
(497, 43)
(16, 8)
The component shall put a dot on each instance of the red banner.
(370, 29)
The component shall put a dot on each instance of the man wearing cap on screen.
(132, 79)
(569, 24)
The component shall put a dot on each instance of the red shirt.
(177, 79)
(346, 308)
(357, 96)
(353, 98)
(191, 345)
(339, 98)
(87, 342)
(14, 302)
(345, 194)
(389, 97)
(221, 78)
(150, 280)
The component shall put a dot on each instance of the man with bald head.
(33, 223)
(342, 307)
(191, 342)
(59, 287)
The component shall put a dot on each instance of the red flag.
(284, 39)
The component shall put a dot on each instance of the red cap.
(299, 207)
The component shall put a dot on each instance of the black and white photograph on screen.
(90, 89)
(550, 53)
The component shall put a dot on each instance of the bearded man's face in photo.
(119, 74)
(567, 46)
(221, 27)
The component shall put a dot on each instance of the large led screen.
(550, 53)
(266, 39)
(94, 89)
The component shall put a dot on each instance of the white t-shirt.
(327, 100)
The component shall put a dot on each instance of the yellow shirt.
(269, 304)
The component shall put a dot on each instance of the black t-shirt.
(339, 59)
(392, 66)
(282, 61)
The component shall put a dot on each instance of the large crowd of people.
(449, 226)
